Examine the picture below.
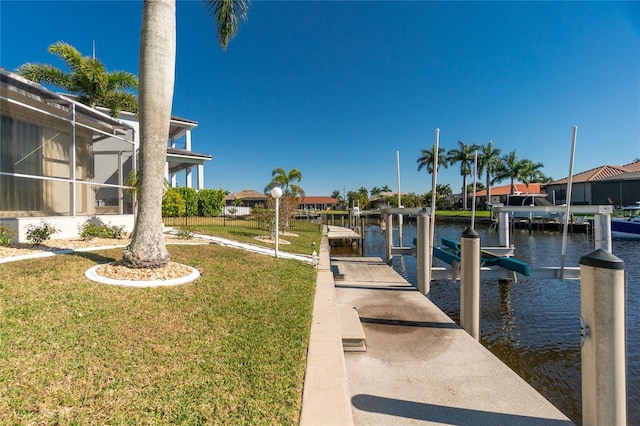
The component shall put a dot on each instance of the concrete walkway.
(419, 367)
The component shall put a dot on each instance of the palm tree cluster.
(286, 181)
(495, 167)
(87, 78)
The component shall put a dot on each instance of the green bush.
(38, 234)
(6, 235)
(211, 202)
(100, 230)
(173, 205)
(190, 197)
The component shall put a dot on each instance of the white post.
(388, 236)
(470, 282)
(602, 232)
(568, 200)
(434, 180)
(277, 193)
(475, 179)
(189, 177)
(423, 254)
(503, 228)
(399, 200)
(602, 298)
(200, 174)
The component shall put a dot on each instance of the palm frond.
(227, 15)
(43, 73)
(69, 54)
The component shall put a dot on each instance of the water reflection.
(534, 325)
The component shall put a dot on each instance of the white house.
(66, 163)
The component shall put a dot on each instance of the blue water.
(534, 325)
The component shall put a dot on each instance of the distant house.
(246, 198)
(500, 194)
(381, 200)
(64, 162)
(615, 185)
(312, 204)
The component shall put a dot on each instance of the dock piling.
(423, 254)
(470, 282)
(602, 298)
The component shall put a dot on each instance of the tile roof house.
(616, 185)
(64, 162)
(314, 203)
(499, 194)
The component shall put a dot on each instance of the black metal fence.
(304, 224)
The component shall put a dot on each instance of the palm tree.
(336, 194)
(375, 191)
(488, 161)
(426, 159)
(524, 170)
(463, 155)
(87, 78)
(157, 68)
(286, 182)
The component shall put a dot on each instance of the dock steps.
(353, 339)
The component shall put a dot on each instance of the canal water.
(533, 325)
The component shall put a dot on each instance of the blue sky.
(336, 88)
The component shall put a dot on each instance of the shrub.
(173, 204)
(190, 197)
(38, 234)
(100, 230)
(184, 234)
(6, 235)
(211, 202)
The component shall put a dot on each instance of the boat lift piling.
(603, 354)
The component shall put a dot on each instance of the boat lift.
(497, 262)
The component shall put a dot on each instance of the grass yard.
(301, 244)
(229, 348)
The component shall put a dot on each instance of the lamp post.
(277, 193)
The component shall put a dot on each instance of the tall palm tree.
(157, 68)
(426, 159)
(286, 182)
(488, 161)
(464, 155)
(523, 170)
(87, 78)
(336, 194)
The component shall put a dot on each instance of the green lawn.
(229, 348)
(301, 243)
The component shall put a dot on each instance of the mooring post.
(470, 282)
(388, 236)
(423, 254)
(602, 299)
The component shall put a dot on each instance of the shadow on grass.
(92, 256)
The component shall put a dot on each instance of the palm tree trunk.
(156, 69)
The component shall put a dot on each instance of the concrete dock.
(417, 366)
